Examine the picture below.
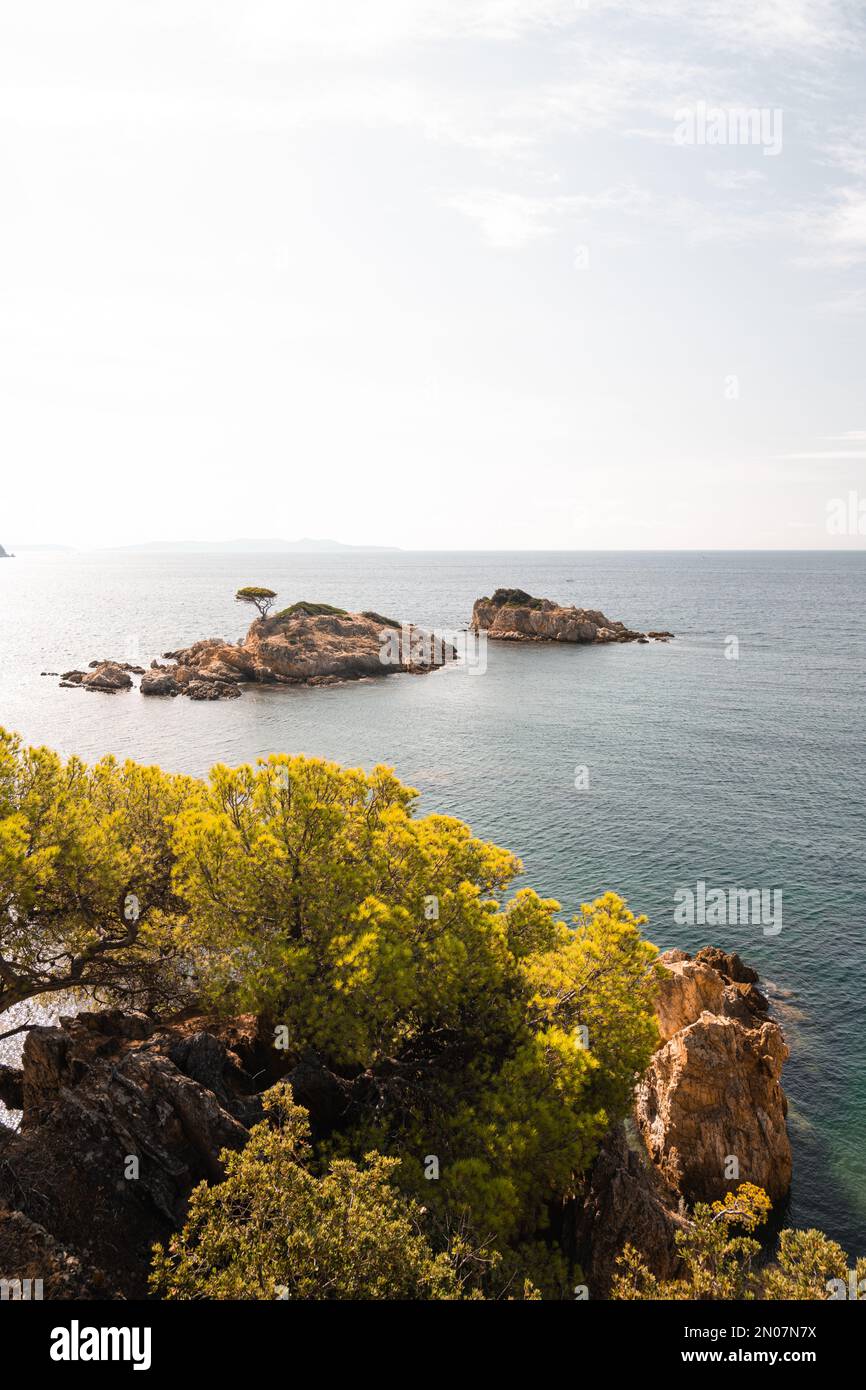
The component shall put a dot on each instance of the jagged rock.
(103, 1088)
(727, 964)
(712, 1092)
(624, 1200)
(692, 987)
(512, 615)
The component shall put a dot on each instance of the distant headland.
(307, 545)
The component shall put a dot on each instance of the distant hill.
(246, 546)
(68, 549)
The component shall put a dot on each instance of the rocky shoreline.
(173, 1094)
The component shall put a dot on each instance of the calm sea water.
(747, 772)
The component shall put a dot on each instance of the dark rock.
(29, 1253)
(101, 1089)
(623, 1200)
(211, 690)
(728, 964)
(12, 1087)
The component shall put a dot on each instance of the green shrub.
(311, 610)
(275, 1229)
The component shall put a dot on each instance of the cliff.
(512, 615)
(172, 1095)
(711, 1094)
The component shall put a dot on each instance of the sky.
(440, 274)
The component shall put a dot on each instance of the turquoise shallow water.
(747, 772)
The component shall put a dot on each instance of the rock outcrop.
(625, 1201)
(711, 1093)
(121, 1118)
(512, 615)
(710, 1107)
(301, 646)
(102, 675)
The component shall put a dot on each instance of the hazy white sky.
(431, 273)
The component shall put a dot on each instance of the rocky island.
(305, 644)
(512, 615)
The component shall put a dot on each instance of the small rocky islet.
(512, 615)
(307, 644)
(319, 644)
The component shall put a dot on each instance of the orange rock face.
(710, 1107)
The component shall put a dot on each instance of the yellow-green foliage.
(75, 842)
(275, 1229)
(306, 885)
(388, 945)
(721, 1264)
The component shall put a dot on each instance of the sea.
(733, 756)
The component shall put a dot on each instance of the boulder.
(212, 690)
(160, 682)
(689, 988)
(107, 676)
